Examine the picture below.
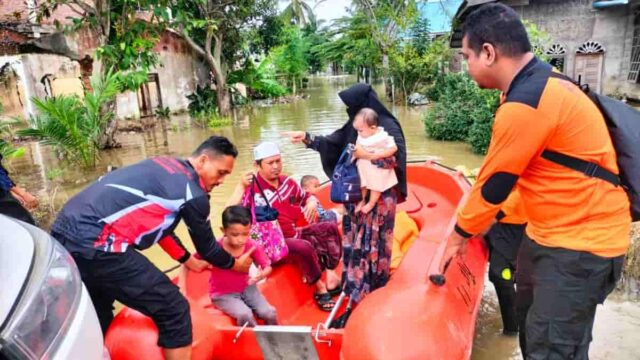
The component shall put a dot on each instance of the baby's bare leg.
(374, 196)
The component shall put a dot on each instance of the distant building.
(38, 60)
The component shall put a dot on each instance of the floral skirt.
(367, 245)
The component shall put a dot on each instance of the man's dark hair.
(236, 214)
(498, 25)
(305, 179)
(216, 146)
(369, 116)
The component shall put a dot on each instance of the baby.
(311, 184)
(379, 144)
(236, 293)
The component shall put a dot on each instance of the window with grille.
(634, 68)
(556, 54)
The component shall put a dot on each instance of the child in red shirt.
(236, 293)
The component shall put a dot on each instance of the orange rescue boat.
(410, 318)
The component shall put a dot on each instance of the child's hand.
(254, 279)
(360, 153)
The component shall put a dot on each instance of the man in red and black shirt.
(134, 208)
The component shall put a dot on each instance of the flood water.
(617, 327)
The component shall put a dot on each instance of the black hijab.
(331, 146)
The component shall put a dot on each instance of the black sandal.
(324, 301)
(335, 291)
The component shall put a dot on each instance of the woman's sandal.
(324, 301)
(335, 291)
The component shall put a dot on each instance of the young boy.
(235, 293)
(311, 184)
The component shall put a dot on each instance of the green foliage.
(421, 35)
(480, 132)
(7, 150)
(268, 35)
(289, 59)
(463, 112)
(260, 80)
(313, 38)
(299, 12)
(350, 45)
(412, 69)
(163, 113)
(540, 40)
(74, 126)
(216, 121)
(203, 102)
(54, 174)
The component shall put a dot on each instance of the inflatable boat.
(410, 318)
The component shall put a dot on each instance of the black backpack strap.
(586, 167)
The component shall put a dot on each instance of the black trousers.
(10, 206)
(557, 294)
(504, 241)
(133, 280)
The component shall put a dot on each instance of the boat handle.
(317, 336)
(235, 338)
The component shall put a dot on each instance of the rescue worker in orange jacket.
(578, 226)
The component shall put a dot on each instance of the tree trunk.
(108, 138)
(385, 74)
(215, 62)
(224, 102)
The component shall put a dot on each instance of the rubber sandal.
(335, 291)
(324, 301)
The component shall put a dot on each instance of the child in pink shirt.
(236, 293)
(373, 139)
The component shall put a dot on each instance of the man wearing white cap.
(292, 202)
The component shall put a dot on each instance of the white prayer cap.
(265, 150)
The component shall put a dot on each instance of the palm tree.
(75, 126)
(300, 12)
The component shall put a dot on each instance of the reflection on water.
(321, 113)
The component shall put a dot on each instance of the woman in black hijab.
(372, 234)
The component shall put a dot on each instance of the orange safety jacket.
(564, 208)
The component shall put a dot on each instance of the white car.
(45, 310)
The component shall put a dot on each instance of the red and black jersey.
(138, 206)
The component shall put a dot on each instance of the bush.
(260, 80)
(480, 131)
(74, 126)
(203, 102)
(463, 112)
(447, 122)
(7, 150)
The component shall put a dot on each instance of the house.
(594, 42)
(38, 60)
